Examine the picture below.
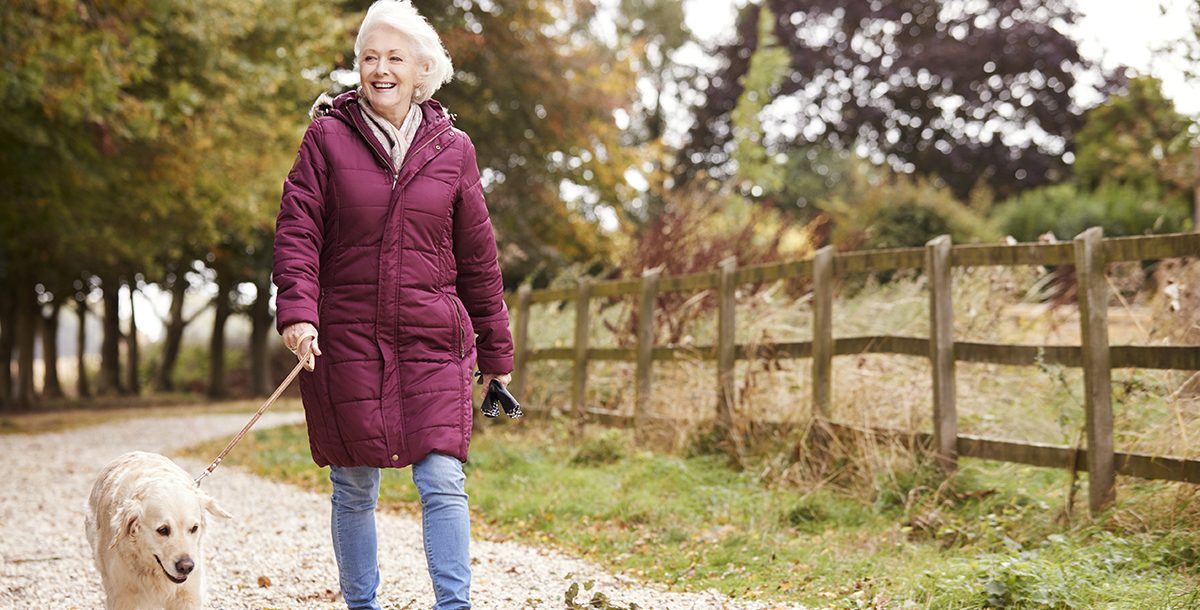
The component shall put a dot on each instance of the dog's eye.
(164, 531)
(194, 528)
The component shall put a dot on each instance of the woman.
(384, 247)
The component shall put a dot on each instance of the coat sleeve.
(299, 234)
(480, 285)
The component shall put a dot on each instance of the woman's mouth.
(383, 86)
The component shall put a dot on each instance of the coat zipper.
(388, 162)
(462, 350)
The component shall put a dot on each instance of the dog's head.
(164, 526)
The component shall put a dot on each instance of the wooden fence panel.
(761, 274)
(726, 348)
(878, 260)
(1089, 252)
(941, 351)
(1176, 357)
(1151, 247)
(521, 340)
(690, 282)
(645, 343)
(822, 343)
(582, 323)
(1097, 375)
(1018, 254)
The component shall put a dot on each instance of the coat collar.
(434, 115)
(345, 107)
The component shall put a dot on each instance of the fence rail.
(1089, 252)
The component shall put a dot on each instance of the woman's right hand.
(301, 339)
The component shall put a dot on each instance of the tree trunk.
(81, 382)
(27, 317)
(110, 347)
(8, 326)
(262, 323)
(174, 336)
(133, 384)
(51, 388)
(216, 350)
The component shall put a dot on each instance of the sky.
(1112, 32)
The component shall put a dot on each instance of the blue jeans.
(445, 521)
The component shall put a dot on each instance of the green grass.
(992, 536)
(71, 414)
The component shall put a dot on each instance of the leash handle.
(263, 409)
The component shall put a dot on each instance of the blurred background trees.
(143, 147)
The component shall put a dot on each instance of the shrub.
(694, 231)
(607, 447)
(1066, 211)
(898, 212)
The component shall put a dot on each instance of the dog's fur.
(145, 522)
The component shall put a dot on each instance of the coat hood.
(328, 105)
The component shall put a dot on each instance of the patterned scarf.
(396, 140)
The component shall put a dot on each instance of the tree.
(1137, 139)
(1134, 172)
(964, 92)
(185, 127)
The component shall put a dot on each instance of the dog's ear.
(211, 505)
(126, 520)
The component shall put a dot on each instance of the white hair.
(401, 16)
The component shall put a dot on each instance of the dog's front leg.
(187, 597)
(125, 601)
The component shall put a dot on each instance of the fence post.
(1097, 374)
(579, 374)
(645, 344)
(726, 342)
(521, 340)
(822, 354)
(941, 351)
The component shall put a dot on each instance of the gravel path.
(275, 553)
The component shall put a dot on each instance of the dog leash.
(263, 409)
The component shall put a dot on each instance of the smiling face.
(388, 69)
(169, 529)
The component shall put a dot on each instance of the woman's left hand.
(504, 379)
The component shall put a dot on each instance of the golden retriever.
(145, 522)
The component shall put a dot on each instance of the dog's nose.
(185, 565)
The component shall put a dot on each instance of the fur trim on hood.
(321, 107)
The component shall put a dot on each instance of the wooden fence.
(1089, 252)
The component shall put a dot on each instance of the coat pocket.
(462, 336)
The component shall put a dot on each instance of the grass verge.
(994, 535)
(74, 414)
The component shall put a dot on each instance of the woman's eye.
(163, 531)
(396, 58)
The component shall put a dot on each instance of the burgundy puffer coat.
(397, 269)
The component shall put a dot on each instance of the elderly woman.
(384, 247)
